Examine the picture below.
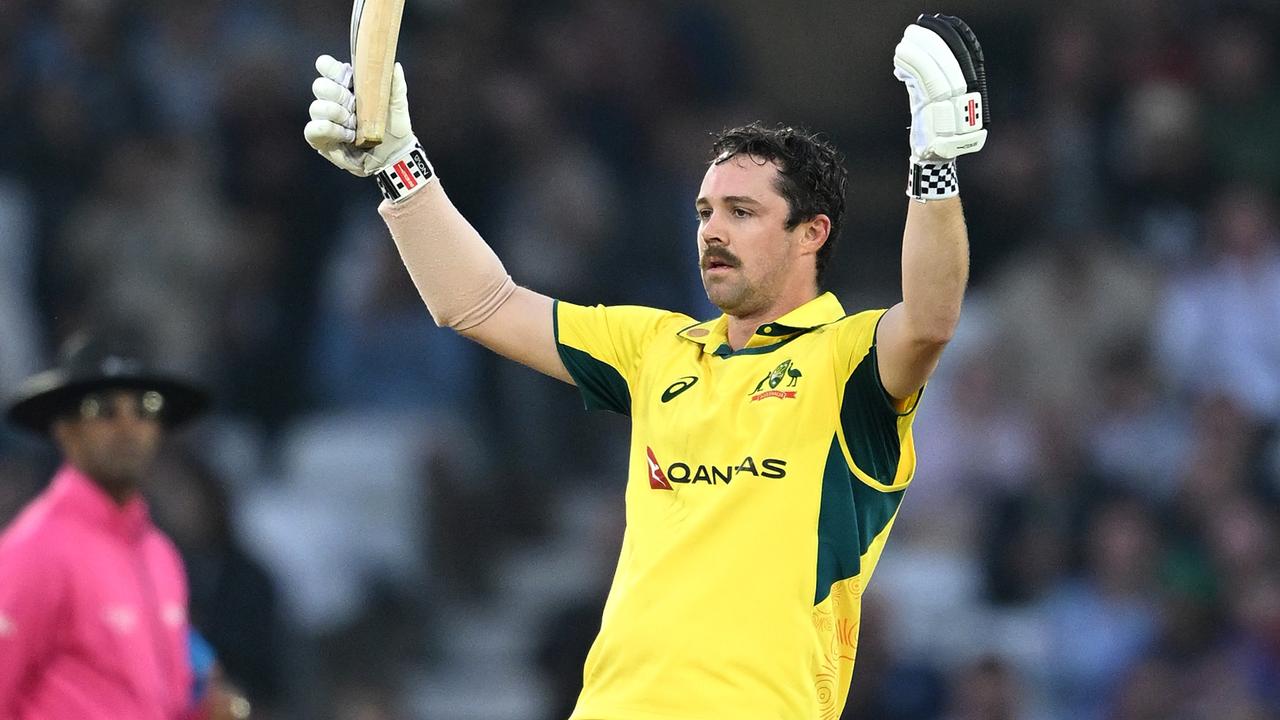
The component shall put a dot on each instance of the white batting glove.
(398, 162)
(941, 63)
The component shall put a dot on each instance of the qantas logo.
(678, 387)
(688, 474)
(657, 480)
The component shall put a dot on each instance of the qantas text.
(772, 468)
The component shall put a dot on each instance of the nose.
(711, 232)
(129, 421)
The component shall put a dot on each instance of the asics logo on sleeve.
(678, 387)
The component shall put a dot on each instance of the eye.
(704, 214)
(741, 212)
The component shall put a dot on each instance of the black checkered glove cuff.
(403, 177)
(932, 181)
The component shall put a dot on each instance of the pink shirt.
(93, 611)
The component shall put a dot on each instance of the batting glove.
(941, 63)
(398, 162)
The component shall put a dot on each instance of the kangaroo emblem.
(775, 376)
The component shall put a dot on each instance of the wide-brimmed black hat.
(88, 364)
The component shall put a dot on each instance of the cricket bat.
(375, 30)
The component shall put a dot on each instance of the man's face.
(113, 438)
(744, 249)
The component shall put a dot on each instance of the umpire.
(93, 597)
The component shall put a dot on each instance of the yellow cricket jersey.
(762, 485)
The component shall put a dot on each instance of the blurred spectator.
(233, 600)
(146, 248)
(1137, 436)
(1071, 62)
(1102, 621)
(177, 58)
(19, 325)
(1150, 691)
(365, 702)
(888, 687)
(1027, 541)
(1221, 457)
(1059, 303)
(1217, 321)
(260, 175)
(1006, 208)
(376, 346)
(1237, 62)
(1254, 654)
(981, 439)
(20, 479)
(566, 634)
(1162, 187)
(985, 690)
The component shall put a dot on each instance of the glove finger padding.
(923, 54)
(325, 89)
(955, 43)
(334, 69)
(940, 62)
(333, 112)
(324, 135)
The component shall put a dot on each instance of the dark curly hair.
(811, 173)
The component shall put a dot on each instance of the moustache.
(718, 255)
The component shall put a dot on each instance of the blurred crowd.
(381, 521)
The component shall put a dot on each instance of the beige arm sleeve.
(457, 274)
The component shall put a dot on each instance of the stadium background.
(382, 521)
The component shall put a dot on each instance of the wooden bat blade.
(375, 31)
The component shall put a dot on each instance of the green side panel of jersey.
(852, 513)
(870, 422)
(601, 385)
(850, 517)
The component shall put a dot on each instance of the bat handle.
(369, 134)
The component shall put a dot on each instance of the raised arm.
(461, 280)
(465, 285)
(935, 268)
(941, 63)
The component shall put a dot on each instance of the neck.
(121, 490)
(742, 327)
(122, 495)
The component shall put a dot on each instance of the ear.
(815, 233)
